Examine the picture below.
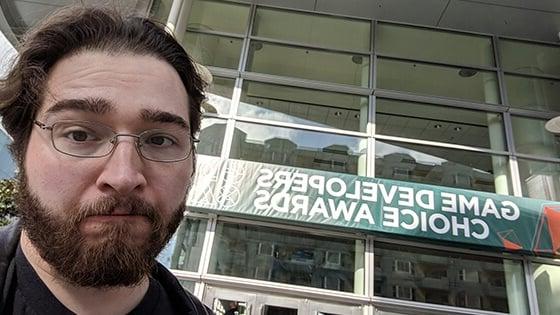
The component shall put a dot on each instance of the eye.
(160, 140)
(80, 135)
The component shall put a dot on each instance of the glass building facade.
(372, 98)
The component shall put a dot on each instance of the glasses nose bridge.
(114, 139)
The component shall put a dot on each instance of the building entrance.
(240, 302)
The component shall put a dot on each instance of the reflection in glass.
(442, 166)
(184, 250)
(460, 83)
(533, 93)
(188, 285)
(218, 96)
(279, 310)
(433, 45)
(269, 254)
(529, 58)
(306, 63)
(438, 123)
(540, 180)
(160, 10)
(7, 165)
(303, 106)
(461, 280)
(308, 149)
(313, 29)
(218, 16)
(211, 136)
(213, 50)
(229, 307)
(547, 282)
(530, 137)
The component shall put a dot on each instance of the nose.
(123, 172)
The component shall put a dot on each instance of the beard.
(115, 259)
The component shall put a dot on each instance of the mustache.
(131, 205)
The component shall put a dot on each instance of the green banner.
(376, 205)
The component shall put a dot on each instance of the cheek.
(171, 187)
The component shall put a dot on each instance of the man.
(103, 112)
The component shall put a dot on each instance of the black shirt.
(29, 295)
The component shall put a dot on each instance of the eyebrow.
(158, 116)
(92, 105)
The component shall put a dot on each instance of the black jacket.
(9, 240)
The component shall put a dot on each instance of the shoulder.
(9, 239)
(180, 298)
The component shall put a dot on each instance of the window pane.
(430, 276)
(531, 137)
(211, 136)
(533, 93)
(160, 10)
(7, 165)
(437, 123)
(219, 96)
(213, 50)
(459, 83)
(270, 254)
(420, 43)
(187, 285)
(304, 106)
(547, 281)
(308, 63)
(540, 180)
(529, 58)
(184, 250)
(311, 29)
(442, 166)
(308, 149)
(218, 16)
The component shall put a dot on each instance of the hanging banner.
(378, 205)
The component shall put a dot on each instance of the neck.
(84, 300)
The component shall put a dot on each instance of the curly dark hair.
(73, 30)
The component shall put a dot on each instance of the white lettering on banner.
(317, 197)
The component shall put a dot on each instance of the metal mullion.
(285, 289)
(370, 153)
(531, 289)
(500, 72)
(313, 12)
(533, 113)
(207, 245)
(393, 304)
(437, 100)
(535, 158)
(443, 29)
(515, 177)
(545, 260)
(305, 83)
(437, 63)
(306, 46)
(186, 275)
(373, 56)
(531, 75)
(325, 231)
(223, 72)
(441, 144)
(230, 124)
(223, 117)
(247, 41)
(274, 123)
(369, 273)
(444, 248)
(530, 41)
(215, 33)
(196, 215)
(229, 1)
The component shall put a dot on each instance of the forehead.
(132, 83)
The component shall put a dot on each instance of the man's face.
(109, 216)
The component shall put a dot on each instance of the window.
(433, 45)
(213, 50)
(184, 250)
(298, 258)
(539, 179)
(451, 82)
(439, 123)
(547, 282)
(529, 58)
(304, 106)
(530, 137)
(308, 149)
(307, 63)
(448, 278)
(442, 166)
(533, 93)
(211, 136)
(218, 16)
